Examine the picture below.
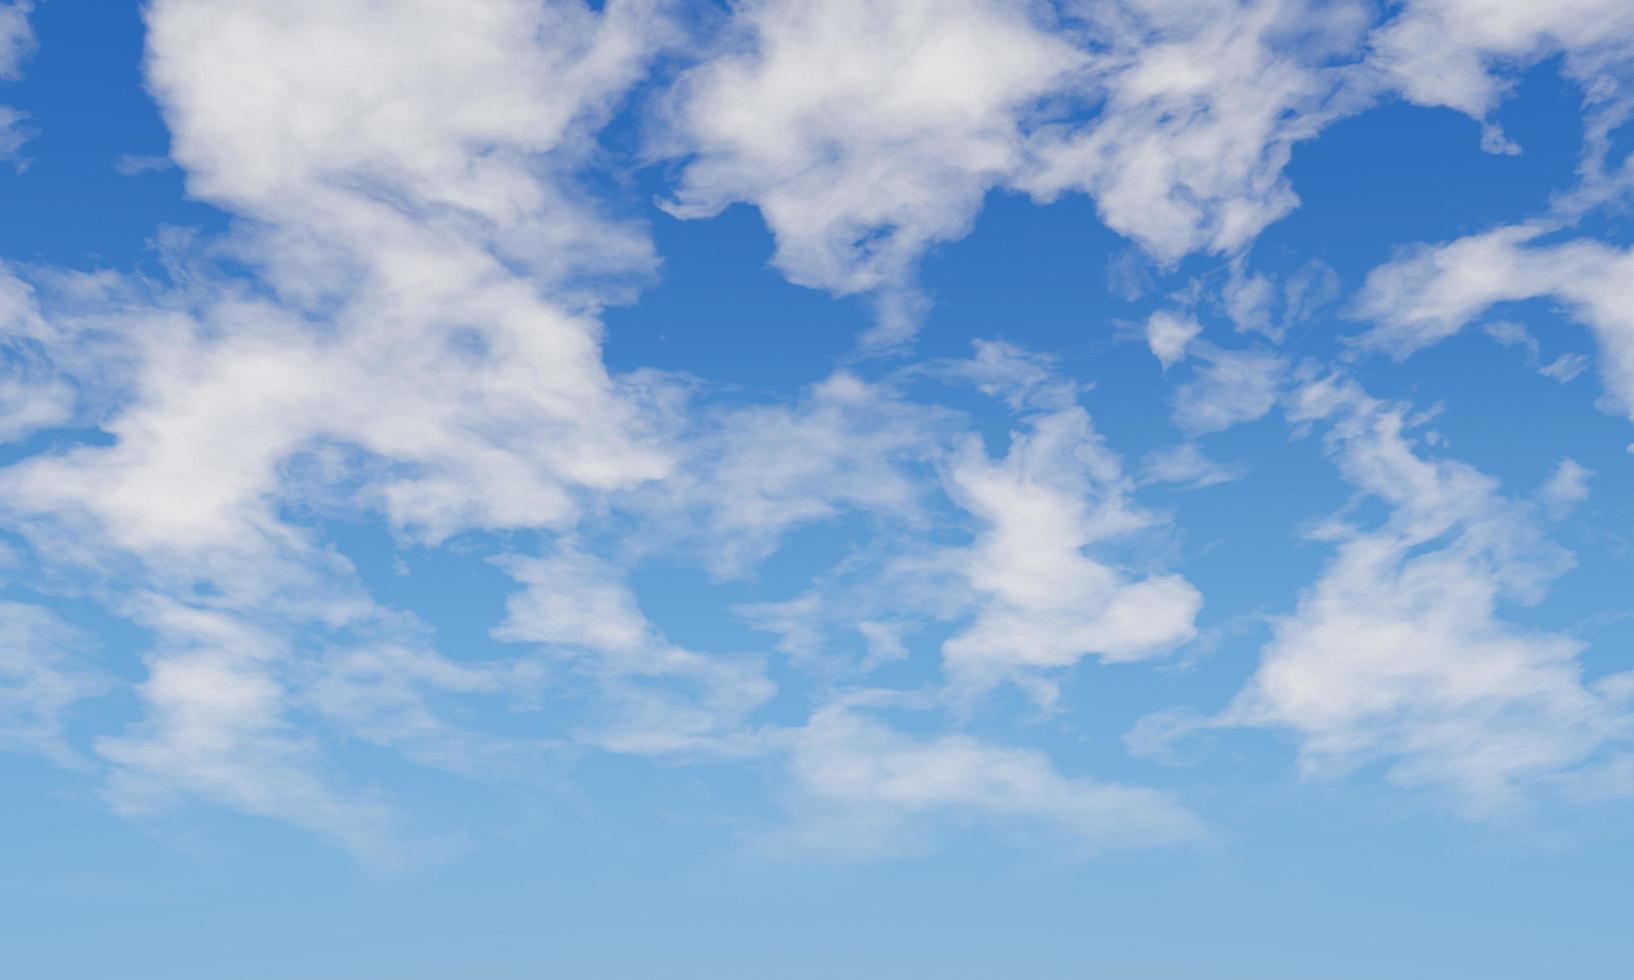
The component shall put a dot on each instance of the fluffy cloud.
(217, 727)
(16, 44)
(418, 342)
(1045, 601)
(388, 199)
(1168, 335)
(858, 784)
(34, 393)
(398, 693)
(1177, 120)
(746, 475)
(1051, 574)
(336, 116)
(863, 131)
(864, 787)
(1270, 305)
(1454, 52)
(1400, 654)
(16, 37)
(44, 672)
(401, 328)
(865, 134)
(1567, 487)
(1228, 387)
(1199, 108)
(1432, 292)
(650, 696)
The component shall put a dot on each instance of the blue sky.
(929, 488)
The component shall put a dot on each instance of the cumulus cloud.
(1045, 602)
(746, 475)
(858, 785)
(217, 728)
(401, 328)
(417, 342)
(1400, 653)
(1052, 572)
(1271, 305)
(1228, 387)
(1432, 292)
(398, 693)
(1168, 334)
(45, 671)
(1199, 108)
(1456, 53)
(387, 207)
(864, 138)
(651, 696)
(1177, 120)
(34, 392)
(864, 787)
(1568, 486)
(864, 132)
(332, 114)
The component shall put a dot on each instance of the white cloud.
(16, 37)
(391, 202)
(1228, 388)
(15, 132)
(1564, 368)
(1200, 106)
(289, 110)
(1044, 601)
(34, 395)
(1400, 654)
(44, 672)
(1454, 53)
(1560, 370)
(418, 340)
(1052, 574)
(864, 135)
(1186, 464)
(1168, 334)
(1432, 292)
(1019, 378)
(135, 164)
(649, 695)
(1271, 305)
(747, 475)
(1568, 486)
(391, 694)
(863, 787)
(871, 609)
(217, 727)
(17, 43)
(863, 131)
(243, 710)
